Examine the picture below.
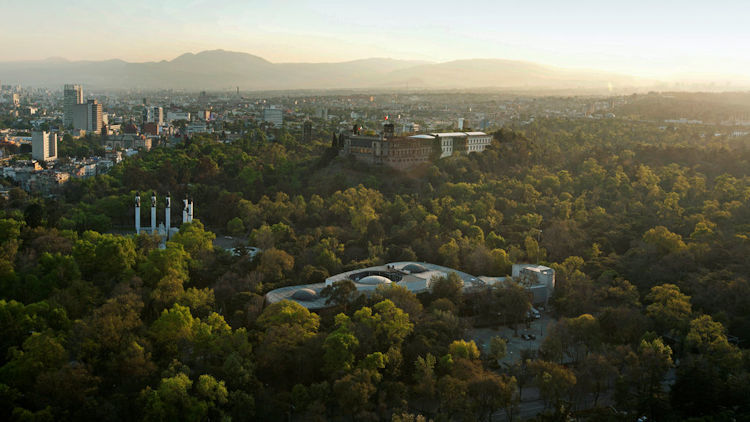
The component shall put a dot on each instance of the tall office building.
(94, 112)
(44, 146)
(72, 95)
(88, 116)
(159, 115)
(153, 115)
(80, 117)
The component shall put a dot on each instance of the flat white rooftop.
(449, 134)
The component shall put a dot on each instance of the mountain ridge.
(221, 70)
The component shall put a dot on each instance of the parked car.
(535, 313)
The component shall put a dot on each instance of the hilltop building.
(458, 142)
(397, 152)
(406, 152)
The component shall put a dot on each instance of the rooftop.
(415, 276)
(449, 134)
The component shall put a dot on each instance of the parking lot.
(537, 328)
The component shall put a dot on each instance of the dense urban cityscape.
(132, 122)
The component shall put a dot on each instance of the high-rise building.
(153, 115)
(72, 96)
(148, 114)
(88, 116)
(159, 115)
(307, 132)
(53, 145)
(80, 116)
(44, 146)
(94, 112)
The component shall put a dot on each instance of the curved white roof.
(374, 279)
(306, 295)
(414, 268)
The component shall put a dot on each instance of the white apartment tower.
(44, 146)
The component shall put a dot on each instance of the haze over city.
(669, 41)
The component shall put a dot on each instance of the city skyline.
(666, 41)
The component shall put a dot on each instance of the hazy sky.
(657, 38)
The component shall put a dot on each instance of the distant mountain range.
(225, 70)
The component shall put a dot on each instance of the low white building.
(197, 128)
(417, 277)
(538, 279)
(462, 142)
(44, 146)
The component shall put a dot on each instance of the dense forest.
(713, 108)
(647, 228)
